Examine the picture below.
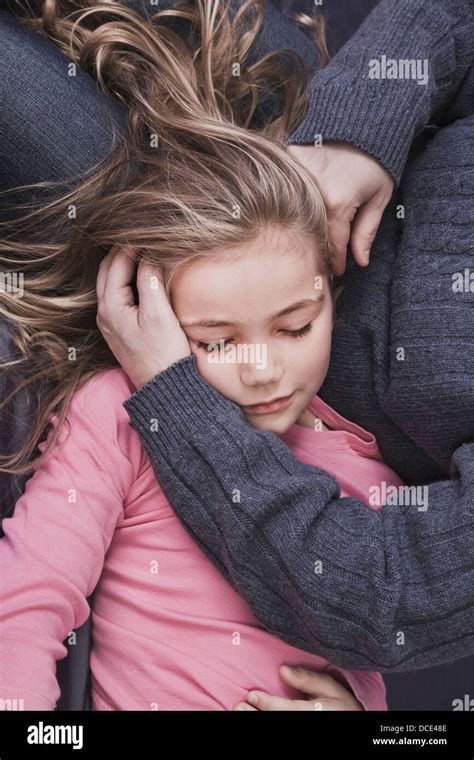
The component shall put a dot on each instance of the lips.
(272, 406)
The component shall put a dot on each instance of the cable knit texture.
(397, 589)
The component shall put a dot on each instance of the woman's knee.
(54, 121)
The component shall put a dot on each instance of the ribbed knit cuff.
(379, 118)
(356, 99)
(177, 398)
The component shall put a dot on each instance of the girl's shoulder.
(105, 392)
(99, 402)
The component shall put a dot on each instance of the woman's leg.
(55, 123)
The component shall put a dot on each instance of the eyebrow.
(283, 312)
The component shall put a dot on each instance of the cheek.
(222, 377)
(312, 366)
(311, 356)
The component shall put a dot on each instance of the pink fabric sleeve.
(52, 553)
(368, 687)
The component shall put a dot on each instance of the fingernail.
(367, 256)
(252, 698)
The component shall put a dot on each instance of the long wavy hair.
(189, 178)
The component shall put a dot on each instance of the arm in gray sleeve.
(409, 64)
(395, 591)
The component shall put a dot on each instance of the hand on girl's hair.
(145, 338)
(319, 692)
(356, 190)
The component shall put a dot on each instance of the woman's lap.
(54, 126)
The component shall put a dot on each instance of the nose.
(260, 374)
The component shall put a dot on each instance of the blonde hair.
(189, 179)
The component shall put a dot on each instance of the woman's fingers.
(364, 230)
(322, 691)
(102, 273)
(244, 706)
(354, 186)
(151, 290)
(145, 338)
(311, 683)
(339, 232)
(119, 274)
(268, 702)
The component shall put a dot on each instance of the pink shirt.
(169, 633)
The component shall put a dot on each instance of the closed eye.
(224, 343)
(218, 343)
(298, 333)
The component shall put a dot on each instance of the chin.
(273, 423)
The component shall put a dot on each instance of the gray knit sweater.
(397, 587)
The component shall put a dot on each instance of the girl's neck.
(309, 420)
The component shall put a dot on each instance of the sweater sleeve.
(52, 554)
(395, 588)
(356, 98)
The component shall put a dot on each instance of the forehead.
(247, 282)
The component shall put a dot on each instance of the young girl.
(237, 230)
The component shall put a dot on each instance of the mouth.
(269, 406)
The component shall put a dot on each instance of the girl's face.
(268, 316)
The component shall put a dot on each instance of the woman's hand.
(322, 693)
(355, 188)
(145, 338)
